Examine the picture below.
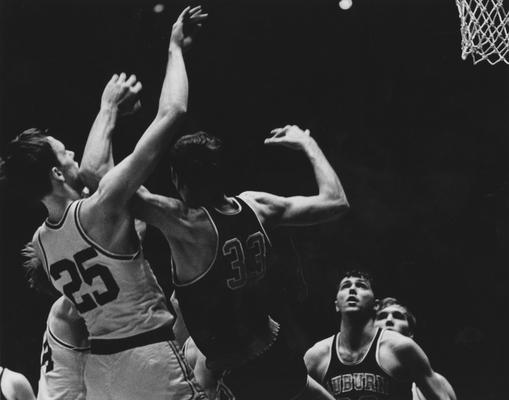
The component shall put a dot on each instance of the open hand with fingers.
(122, 93)
(290, 136)
(186, 26)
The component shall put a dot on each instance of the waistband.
(112, 346)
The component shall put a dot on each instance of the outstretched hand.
(122, 94)
(290, 136)
(186, 26)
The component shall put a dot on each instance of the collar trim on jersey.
(100, 249)
(57, 225)
(375, 337)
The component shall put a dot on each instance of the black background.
(418, 136)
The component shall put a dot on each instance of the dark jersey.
(363, 380)
(226, 308)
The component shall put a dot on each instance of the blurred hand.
(186, 26)
(122, 94)
(290, 136)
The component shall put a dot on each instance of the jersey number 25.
(80, 275)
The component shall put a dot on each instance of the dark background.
(418, 136)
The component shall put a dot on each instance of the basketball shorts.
(156, 371)
(279, 373)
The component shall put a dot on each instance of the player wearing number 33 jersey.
(129, 325)
(220, 251)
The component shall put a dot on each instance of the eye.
(398, 315)
(381, 315)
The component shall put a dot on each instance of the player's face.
(354, 295)
(68, 167)
(393, 317)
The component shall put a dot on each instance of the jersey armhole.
(250, 204)
(332, 348)
(209, 267)
(44, 258)
(377, 358)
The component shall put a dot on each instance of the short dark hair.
(390, 301)
(28, 161)
(197, 160)
(357, 273)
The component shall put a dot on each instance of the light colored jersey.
(131, 354)
(62, 369)
(116, 294)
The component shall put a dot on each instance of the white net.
(484, 30)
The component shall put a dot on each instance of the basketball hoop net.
(484, 30)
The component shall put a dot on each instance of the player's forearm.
(98, 156)
(329, 185)
(174, 92)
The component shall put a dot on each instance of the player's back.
(116, 294)
(225, 308)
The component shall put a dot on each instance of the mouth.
(351, 299)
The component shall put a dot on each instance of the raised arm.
(121, 182)
(328, 204)
(120, 97)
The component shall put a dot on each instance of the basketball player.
(65, 345)
(220, 248)
(92, 254)
(363, 361)
(65, 350)
(207, 379)
(14, 386)
(393, 315)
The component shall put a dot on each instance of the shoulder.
(317, 358)
(18, 385)
(144, 199)
(318, 351)
(395, 341)
(400, 356)
(266, 205)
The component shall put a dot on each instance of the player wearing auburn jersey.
(362, 361)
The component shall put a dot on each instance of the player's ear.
(376, 306)
(57, 175)
(336, 305)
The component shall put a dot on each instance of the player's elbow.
(335, 205)
(174, 110)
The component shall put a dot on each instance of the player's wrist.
(308, 144)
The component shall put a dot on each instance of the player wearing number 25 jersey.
(220, 250)
(90, 249)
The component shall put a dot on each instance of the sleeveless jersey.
(225, 308)
(116, 294)
(364, 380)
(62, 369)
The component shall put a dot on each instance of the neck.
(356, 330)
(56, 205)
